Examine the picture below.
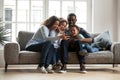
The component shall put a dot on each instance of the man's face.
(72, 20)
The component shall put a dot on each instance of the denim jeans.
(66, 46)
(89, 48)
(47, 51)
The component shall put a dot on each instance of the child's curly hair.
(75, 27)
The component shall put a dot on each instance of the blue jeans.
(89, 48)
(47, 51)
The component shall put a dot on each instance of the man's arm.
(87, 36)
(87, 40)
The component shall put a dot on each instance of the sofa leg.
(6, 65)
(113, 65)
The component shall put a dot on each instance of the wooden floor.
(29, 72)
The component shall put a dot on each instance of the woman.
(43, 42)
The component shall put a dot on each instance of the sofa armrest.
(115, 48)
(11, 53)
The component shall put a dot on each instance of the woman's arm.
(46, 32)
(47, 35)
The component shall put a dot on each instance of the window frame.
(46, 15)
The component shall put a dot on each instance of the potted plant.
(3, 33)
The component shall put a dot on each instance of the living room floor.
(29, 72)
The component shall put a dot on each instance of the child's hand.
(65, 37)
(76, 38)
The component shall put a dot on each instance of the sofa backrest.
(23, 38)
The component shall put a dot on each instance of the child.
(56, 58)
(75, 37)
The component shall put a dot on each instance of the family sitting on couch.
(54, 39)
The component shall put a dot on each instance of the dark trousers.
(67, 46)
(47, 51)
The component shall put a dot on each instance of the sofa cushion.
(100, 57)
(93, 35)
(102, 41)
(96, 57)
(23, 38)
(27, 57)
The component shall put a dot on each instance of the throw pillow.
(102, 41)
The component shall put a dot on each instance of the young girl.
(60, 30)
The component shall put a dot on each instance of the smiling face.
(72, 20)
(62, 26)
(55, 25)
(74, 31)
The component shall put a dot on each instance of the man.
(65, 45)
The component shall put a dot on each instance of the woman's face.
(55, 25)
(62, 26)
(74, 31)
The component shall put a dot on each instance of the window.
(27, 15)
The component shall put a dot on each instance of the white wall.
(105, 17)
(118, 20)
(1, 7)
